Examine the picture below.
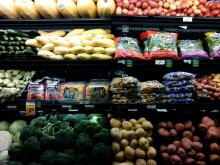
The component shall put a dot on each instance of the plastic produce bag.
(178, 83)
(187, 88)
(213, 42)
(178, 76)
(187, 100)
(150, 86)
(160, 44)
(128, 47)
(178, 96)
(121, 82)
(192, 49)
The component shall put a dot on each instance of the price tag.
(129, 63)
(151, 107)
(132, 110)
(169, 63)
(11, 107)
(195, 62)
(160, 62)
(187, 61)
(161, 110)
(66, 107)
(89, 107)
(73, 110)
(30, 108)
(121, 62)
(187, 19)
(125, 29)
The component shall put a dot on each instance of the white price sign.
(187, 19)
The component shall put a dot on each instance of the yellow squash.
(67, 8)
(8, 9)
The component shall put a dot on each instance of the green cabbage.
(4, 126)
(16, 126)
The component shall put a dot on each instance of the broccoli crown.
(73, 119)
(26, 132)
(31, 144)
(83, 143)
(47, 142)
(87, 126)
(39, 122)
(48, 157)
(65, 138)
(98, 118)
(102, 136)
(15, 163)
(16, 152)
(53, 119)
(64, 159)
(101, 153)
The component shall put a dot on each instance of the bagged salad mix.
(192, 49)
(213, 42)
(159, 44)
(128, 47)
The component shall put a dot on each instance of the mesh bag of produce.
(128, 47)
(159, 44)
(213, 42)
(192, 49)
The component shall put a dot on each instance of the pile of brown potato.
(182, 146)
(211, 132)
(132, 142)
(208, 87)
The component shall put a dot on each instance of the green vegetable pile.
(12, 42)
(71, 140)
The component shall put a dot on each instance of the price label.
(160, 62)
(30, 108)
(129, 63)
(187, 61)
(151, 107)
(161, 110)
(187, 19)
(121, 62)
(89, 107)
(125, 29)
(132, 110)
(169, 63)
(66, 107)
(195, 62)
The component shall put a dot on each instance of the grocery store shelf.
(55, 23)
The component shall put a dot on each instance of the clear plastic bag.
(213, 42)
(192, 49)
(187, 88)
(178, 83)
(187, 100)
(150, 86)
(178, 96)
(178, 76)
(122, 82)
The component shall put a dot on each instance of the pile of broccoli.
(72, 140)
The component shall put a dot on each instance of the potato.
(163, 148)
(193, 129)
(140, 153)
(181, 153)
(124, 143)
(127, 162)
(188, 125)
(179, 127)
(133, 121)
(191, 154)
(173, 133)
(176, 143)
(174, 159)
(140, 162)
(188, 135)
(115, 163)
(147, 125)
(140, 132)
(165, 156)
(148, 133)
(169, 125)
(137, 126)
(189, 161)
(151, 162)
(143, 143)
(120, 156)
(200, 156)
(163, 133)
(140, 120)
(186, 144)
(197, 146)
(150, 140)
(115, 147)
(127, 125)
(171, 149)
(214, 158)
(115, 123)
(200, 163)
(212, 133)
(214, 148)
(151, 152)
(196, 139)
(163, 125)
(124, 134)
(131, 135)
(134, 143)
(116, 134)
(129, 153)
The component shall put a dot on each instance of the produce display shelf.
(55, 23)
